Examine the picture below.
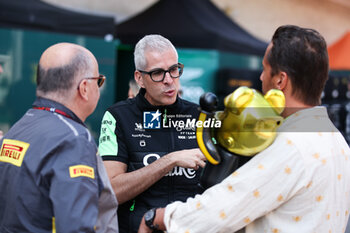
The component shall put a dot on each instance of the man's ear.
(139, 78)
(83, 90)
(281, 81)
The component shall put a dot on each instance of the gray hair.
(61, 80)
(155, 43)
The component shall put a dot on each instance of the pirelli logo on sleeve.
(81, 170)
(13, 151)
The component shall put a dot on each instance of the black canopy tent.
(35, 14)
(190, 24)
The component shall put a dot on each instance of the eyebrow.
(155, 69)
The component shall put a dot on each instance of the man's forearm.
(130, 184)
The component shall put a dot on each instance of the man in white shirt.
(301, 183)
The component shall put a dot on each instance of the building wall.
(262, 17)
(259, 17)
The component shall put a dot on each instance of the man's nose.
(167, 78)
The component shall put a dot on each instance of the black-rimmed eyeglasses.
(100, 80)
(158, 75)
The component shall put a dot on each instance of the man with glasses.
(51, 177)
(301, 182)
(148, 161)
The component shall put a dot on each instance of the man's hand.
(143, 228)
(192, 158)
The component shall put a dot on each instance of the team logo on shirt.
(151, 120)
(138, 127)
(13, 151)
(189, 173)
(81, 170)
